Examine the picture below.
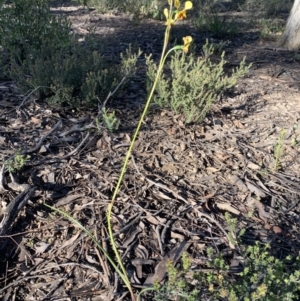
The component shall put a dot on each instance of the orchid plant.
(173, 14)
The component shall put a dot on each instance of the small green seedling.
(17, 162)
(111, 122)
(278, 151)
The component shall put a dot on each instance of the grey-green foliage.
(267, 7)
(102, 6)
(269, 28)
(190, 84)
(263, 277)
(138, 8)
(110, 120)
(40, 53)
(27, 26)
(176, 287)
(78, 76)
(209, 18)
(65, 76)
(17, 162)
(278, 150)
(220, 25)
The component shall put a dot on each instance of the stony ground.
(180, 182)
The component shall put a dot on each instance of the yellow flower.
(179, 14)
(182, 13)
(186, 43)
(188, 5)
(169, 19)
(176, 3)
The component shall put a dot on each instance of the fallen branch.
(13, 208)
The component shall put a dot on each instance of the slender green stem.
(76, 222)
(118, 266)
(148, 289)
(124, 167)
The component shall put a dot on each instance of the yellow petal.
(169, 1)
(185, 49)
(180, 15)
(166, 13)
(188, 5)
(169, 22)
(187, 40)
(186, 43)
(177, 3)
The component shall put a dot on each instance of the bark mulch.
(180, 183)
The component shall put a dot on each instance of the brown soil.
(181, 181)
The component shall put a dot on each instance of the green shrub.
(270, 28)
(191, 85)
(41, 54)
(74, 77)
(176, 287)
(263, 278)
(17, 162)
(110, 121)
(136, 8)
(102, 6)
(209, 19)
(268, 7)
(27, 26)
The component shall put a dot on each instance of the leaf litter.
(180, 182)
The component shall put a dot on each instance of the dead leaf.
(151, 219)
(227, 207)
(161, 268)
(78, 176)
(212, 169)
(180, 123)
(261, 210)
(127, 138)
(51, 177)
(253, 166)
(90, 259)
(43, 149)
(99, 143)
(238, 124)
(277, 230)
(235, 180)
(68, 199)
(70, 241)
(40, 247)
(35, 120)
(254, 189)
(221, 156)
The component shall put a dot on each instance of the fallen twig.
(193, 206)
(14, 208)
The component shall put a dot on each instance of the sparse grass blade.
(121, 273)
